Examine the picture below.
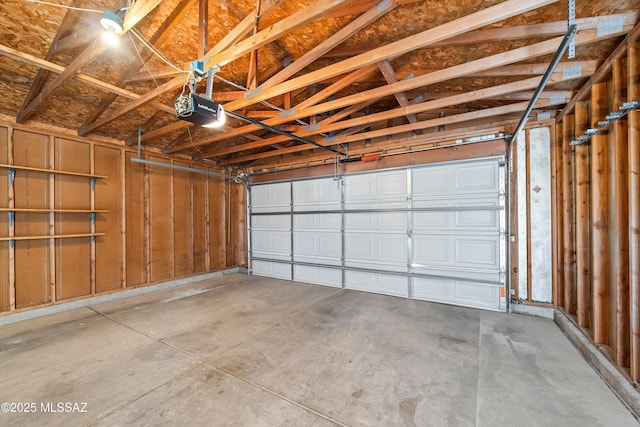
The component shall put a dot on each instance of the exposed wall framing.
(601, 216)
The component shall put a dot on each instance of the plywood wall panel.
(73, 256)
(149, 235)
(182, 221)
(160, 193)
(134, 220)
(237, 225)
(31, 191)
(4, 223)
(200, 197)
(107, 195)
(217, 218)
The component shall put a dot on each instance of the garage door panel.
(318, 194)
(481, 213)
(476, 178)
(433, 250)
(456, 179)
(272, 269)
(318, 275)
(271, 197)
(470, 294)
(271, 244)
(433, 220)
(376, 221)
(431, 181)
(377, 187)
(329, 222)
(477, 219)
(318, 247)
(457, 251)
(378, 283)
(446, 248)
(271, 222)
(478, 252)
(367, 250)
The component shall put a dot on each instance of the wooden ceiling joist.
(74, 40)
(228, 54)
(405, 144)
(203, 27)
(341, 35)
(390, 76)
(467, 23)
(137, 12)
(441, 75)
(386, 132)
(512, 56)
(156, 40)
(548, 29)
(433, 105)
(320, 96)
(41, 76)
(134, 15)
(602, 71)
(133, 138)
(90, 81)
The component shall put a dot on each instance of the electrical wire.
(155, 51)
(194, 146)
(265, 103)
(65, 6)
(144, 65)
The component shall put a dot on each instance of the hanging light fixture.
(112, 22)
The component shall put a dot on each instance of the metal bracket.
(572, 21)
(12, 176)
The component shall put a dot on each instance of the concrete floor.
(250, 351)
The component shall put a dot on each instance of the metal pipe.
(571, 32)
(186, 169)
(282, 132)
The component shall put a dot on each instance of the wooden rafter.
(602, 71)
(139, 11)
(73, 40)
(38, 82)
(242, 29)
(158, 38)
(342, 83)
(203, 27)
(390, 76)
(433, 105)
(273, 32)
(538, 49)
(501, 34)
(433, 140)
(144, 127)
(341, 35)
(93, 82)
(386, 132)
(453, 28)
(228, 54)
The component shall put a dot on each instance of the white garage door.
(433, 232)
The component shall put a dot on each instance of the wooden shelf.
(55, 236)
(54, 171)
(36, 210)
